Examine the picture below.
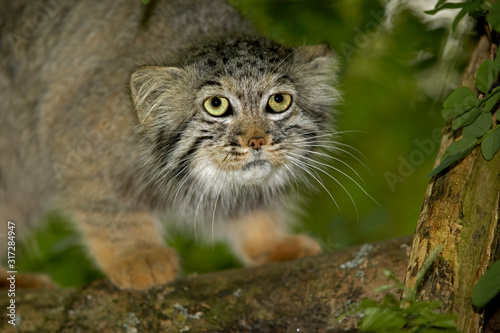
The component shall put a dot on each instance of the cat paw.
(144, 269)
(294, 247)
(26, 280)
(288, 248)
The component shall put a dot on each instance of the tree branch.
(305, 295)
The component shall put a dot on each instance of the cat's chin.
(255, 172)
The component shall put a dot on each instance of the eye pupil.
(217, 106)
(279, 102)
(216, 102)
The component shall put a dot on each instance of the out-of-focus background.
(397, 65)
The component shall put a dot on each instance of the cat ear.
(148, 85)
(319, 56)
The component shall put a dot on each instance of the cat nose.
(256, 143)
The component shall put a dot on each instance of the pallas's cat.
(114, 113)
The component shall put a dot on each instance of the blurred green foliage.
(384, 77)
(56, 250)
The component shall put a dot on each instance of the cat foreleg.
(262, 237)
(128, 247)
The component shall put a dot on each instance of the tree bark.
(301, 296)
(460, 212)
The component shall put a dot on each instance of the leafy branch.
(474, 9)
(467, 110)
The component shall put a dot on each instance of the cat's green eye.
(279, 102)
(216, 106)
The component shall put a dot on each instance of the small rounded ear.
(319, 56)
(149, 85)
(310, 53)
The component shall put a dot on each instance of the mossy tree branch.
(306, 295)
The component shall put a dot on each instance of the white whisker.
(324, 135)
(184, 180)
(292, 177)
(343, 173)
(337, 181)
(334, 146)
(297, 163)
(335, 159)
(274, 68)
(215, 209)
(328, 144)
(199, 203)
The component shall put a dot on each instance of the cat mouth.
(256, 164)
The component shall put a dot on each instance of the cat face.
(251, 124)
(235, 115)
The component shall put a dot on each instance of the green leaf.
(466, 9)
(389, 300)
(437, 250)
(443, 5)
(455, 151)
(390, 275)
(491, 100)
(459, 101)
(480, 126)
(460, 147)
(473, 8)
(145, 2)
(496, 64)
(493, 17)
(439, 320)
(485, 76)
(459, 17)
(385, 288)
(481, 10)
(367, 303)
(491, 143)
(377, 319)
(420, 307)
(466, 119)
(488, 286)
(445, 323)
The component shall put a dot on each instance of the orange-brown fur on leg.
(260, 237)
(25, 280)
(129, 249)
